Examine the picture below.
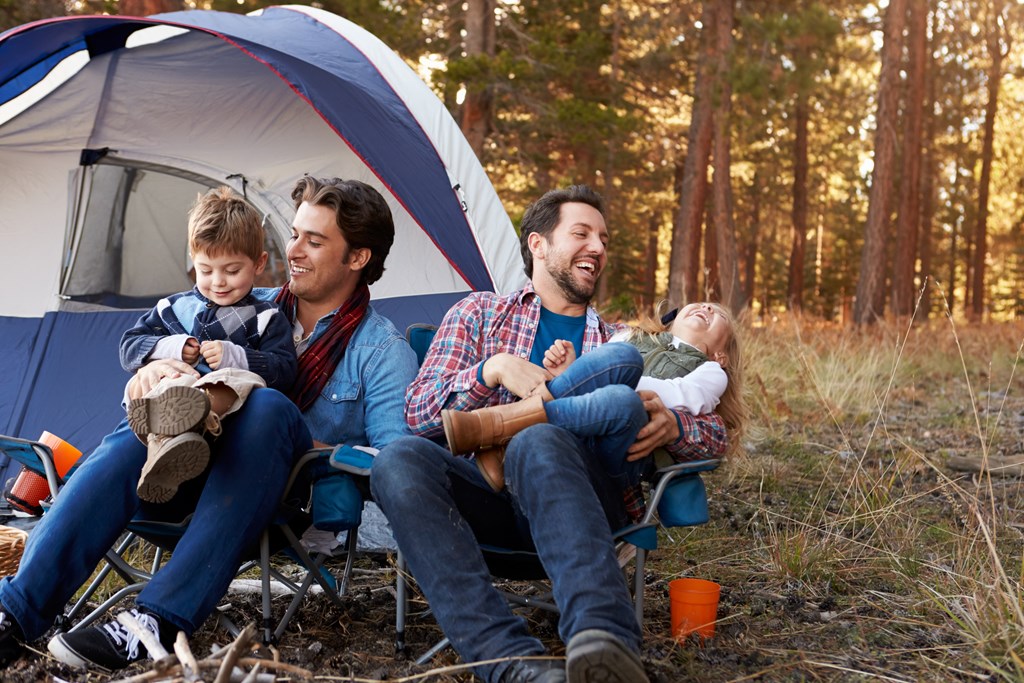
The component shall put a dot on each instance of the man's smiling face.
(575, 253)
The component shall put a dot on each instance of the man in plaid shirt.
(558, 501)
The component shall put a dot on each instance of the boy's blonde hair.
(221, 222)
(731, 406)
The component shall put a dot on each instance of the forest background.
(828, 158)
(832, 168)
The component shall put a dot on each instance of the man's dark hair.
(362, 216)
(542, 216)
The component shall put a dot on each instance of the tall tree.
(143, 8)
(721, 191)
(995, 45)
(910, 181)
(684, 265)
(870, 302)
(929, 171)
(797, 254)
(479, 48)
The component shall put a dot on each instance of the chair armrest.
(35, 456)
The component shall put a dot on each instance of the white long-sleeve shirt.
(697, 393)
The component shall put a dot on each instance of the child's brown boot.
(489, 427)
(169, 411)
(171, 460)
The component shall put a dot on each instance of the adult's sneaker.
(110, 646)
(11, 638)
(534, 671)
(596, 656)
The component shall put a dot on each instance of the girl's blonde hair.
(732, 408)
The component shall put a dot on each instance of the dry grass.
(846, 548)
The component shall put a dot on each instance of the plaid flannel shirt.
(484, 324)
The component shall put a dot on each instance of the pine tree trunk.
(929, 172)
(684, 264)
(870, 303)
(479, 42)
(652, 264)
(910, 181)
(722, 200)
(798, 252)
(143, 8)
(995, 73)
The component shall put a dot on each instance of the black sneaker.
(11, 638)
(110, 646)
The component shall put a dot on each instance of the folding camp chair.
(676, 497)
(324, 467)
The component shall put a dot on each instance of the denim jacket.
(363, 403)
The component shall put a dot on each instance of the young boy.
(239, 342)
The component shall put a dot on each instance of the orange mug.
(64, 454)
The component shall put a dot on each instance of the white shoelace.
(126, 639)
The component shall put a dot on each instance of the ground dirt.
(846, 546)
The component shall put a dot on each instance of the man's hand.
(516, 374)
(190, 352)
(661, 429)
(213, 352)
(150, 374)
(559, 357)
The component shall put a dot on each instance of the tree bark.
(479, 43)
(929, 172)
(870, 303)
(684, 264)
(910, 183)
(721, 195)
(995, 51)
(798, 251)
(143, 8)
(652, 264)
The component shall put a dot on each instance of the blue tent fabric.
(18, 337)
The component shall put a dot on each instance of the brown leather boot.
(489, 427)
(491, 463)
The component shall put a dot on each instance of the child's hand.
(559, 357)
(190, 352)
(212, 351)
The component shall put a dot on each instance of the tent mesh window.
(127, 239)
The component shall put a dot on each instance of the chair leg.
(638, 584)
(268, 620)
(401, 606)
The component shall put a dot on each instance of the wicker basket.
(12, 545)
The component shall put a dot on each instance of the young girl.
(694, 365)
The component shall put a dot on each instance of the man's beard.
(574, 292)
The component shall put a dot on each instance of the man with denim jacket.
(557, 501)
(350, 390)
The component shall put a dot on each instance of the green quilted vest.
(663, 360)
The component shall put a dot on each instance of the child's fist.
(190, 352)
(559, 356)
(213, 352)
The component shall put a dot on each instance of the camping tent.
(109, 128)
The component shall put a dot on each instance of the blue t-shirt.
(554, 326)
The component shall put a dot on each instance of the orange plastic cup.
(64, 454)
(694, 605)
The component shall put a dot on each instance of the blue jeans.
(595, 398)
(557, 501)
(233, 502)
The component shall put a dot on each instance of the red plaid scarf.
(321, 357)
